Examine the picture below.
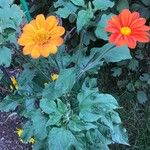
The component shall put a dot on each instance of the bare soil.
(8, 137)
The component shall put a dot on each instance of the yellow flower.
(32, 140)
(19, 132)
(41, 36)
(54, 76)
(14, 82)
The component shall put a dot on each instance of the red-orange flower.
(41, 36)
(127, 29)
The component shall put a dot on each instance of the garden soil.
(8, 136)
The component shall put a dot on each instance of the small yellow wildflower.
(20, 132)
(14, 82)
(32, 140)
(54, 76)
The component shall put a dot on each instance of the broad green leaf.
(55, 110)
(62, 139)
(99, 139)
(113, 54)
(65, 11)
(27, 131)
(60, 3)
(78, 2)
(119, 135)
(102, 4)
(39, 125)
(65, 80)
(48, 106)
(8, 105)
(50, 92)
(5, 56)
(77, 125)
(100, 29)
(90, 99)
(83, 19)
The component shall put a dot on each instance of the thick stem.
(91, 63)
(26, 10)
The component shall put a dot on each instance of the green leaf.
(100, 29)
(77, 125)
(8, 105)
(116, 71)
(65, 80)
(142, 97)
(48, 106)
(122, 4)
(133, 64)
(144, 77)
(102, 4)
(62, 139)
(90, 99)
(39, 125)
(55, 111)
(83, 19)
(5, 56)
(65, 11)
(146, 2)
(78, 2)
(99, 139)
(115, 54)
(119, 135)
(27, 131)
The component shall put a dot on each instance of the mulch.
(8, 137)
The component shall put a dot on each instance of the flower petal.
(25, 40)
(51, 22)
(57, 32)
(135, 15)
(40, 21)
(138, 23)
(112, 29)
(35, 53)
(142, 37)
(57, 41)
(45, 50)
(52, 49)
(131, 42)
(125, 17)
(27, 50)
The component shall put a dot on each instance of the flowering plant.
(56, 85)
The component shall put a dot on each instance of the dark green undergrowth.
(134, 114)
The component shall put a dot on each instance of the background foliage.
(76, 109)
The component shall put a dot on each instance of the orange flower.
(127, 28)
(41, 36)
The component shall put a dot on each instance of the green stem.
(26, 10)
(92, 62)
(80, 50)
(28, 61)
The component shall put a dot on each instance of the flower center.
(125, 31)
(41, 36)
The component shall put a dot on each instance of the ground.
(8, 136)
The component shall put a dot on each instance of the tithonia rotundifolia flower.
(41, 36)
(127, 29)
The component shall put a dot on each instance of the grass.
(135, 117)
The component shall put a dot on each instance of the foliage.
(70, 112)
(11, 17)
